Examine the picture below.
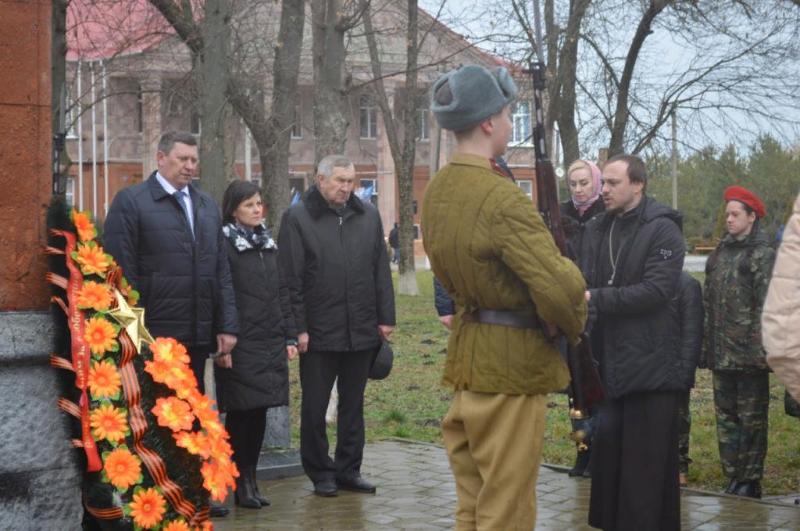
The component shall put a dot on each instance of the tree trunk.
(212, 80)
(621, 112)
(330, 104)
(275, 156)
(567, 76)
(405, 170)
(403, 151)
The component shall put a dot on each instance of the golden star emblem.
(132, 320)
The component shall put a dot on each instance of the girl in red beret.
(737, 277)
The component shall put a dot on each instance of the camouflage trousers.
(741, 401)
(684, 427)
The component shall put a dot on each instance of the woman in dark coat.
(583, 179)
(737, 278)
(256, 375)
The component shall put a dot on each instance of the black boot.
(581, 467)
(732, 486)
(244, 495)
(749, 489)
(256, 493)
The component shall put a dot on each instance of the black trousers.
(198, 354)
(318, 370)
(635, 464)
(246, 429)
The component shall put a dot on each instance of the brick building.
(144, 74)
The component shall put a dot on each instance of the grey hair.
(170, 138)
(326, 165)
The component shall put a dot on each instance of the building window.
(368, 117)
(139, 110)
(297, 123)
(70, 115)
(521, 118)
(194, 123)
(69, 193)
(368, 190)
(423, 124)
(527, 187)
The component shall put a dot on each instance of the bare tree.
(401, 132)
(331, 19)
(736, 69)
(245, 92)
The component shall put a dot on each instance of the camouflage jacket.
(737, 277)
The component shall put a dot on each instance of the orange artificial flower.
(148, 508)
(206, 525)
(220, 447)
(158, 370)
(84, 225)
(180, 379)
(213, 426)
(92, 259)
(176, 525)
(168, 350)
(94, 295)
(122, 468)
(101, 335)
(104, 380)
(202, 406)
(173, 413)
(108, 422)
(196, 443)
(216, 480)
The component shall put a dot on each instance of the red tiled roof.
(100, 29)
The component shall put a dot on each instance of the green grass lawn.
(411, 403)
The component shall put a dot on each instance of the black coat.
(635, 334)
(184, 282)
(260, 373)
(574, 224)
(337, 270)
(688, 305)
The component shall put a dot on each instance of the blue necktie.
(181, 197)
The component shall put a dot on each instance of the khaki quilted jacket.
(488, 246)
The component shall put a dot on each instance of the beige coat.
(780, 322)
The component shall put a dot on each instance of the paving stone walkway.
(416, 492)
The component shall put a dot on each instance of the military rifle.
(586, 389)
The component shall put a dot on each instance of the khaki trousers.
(494, 443)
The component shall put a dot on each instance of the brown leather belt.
(511, 318)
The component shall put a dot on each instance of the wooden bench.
(704, 249)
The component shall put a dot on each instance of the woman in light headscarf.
(583, 178)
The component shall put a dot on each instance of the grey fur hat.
(464, 97)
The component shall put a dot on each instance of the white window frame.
(423, 124)
(69, 191)
(526, 185)
(521, 132)
(297, 124)
(367, 117)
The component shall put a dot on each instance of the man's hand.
(447, 321)
(588, 295)
(225, 361)
(291, 351)
(302, 342)
(225, 343)
(385, 331)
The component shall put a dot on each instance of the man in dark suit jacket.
(167, 237)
